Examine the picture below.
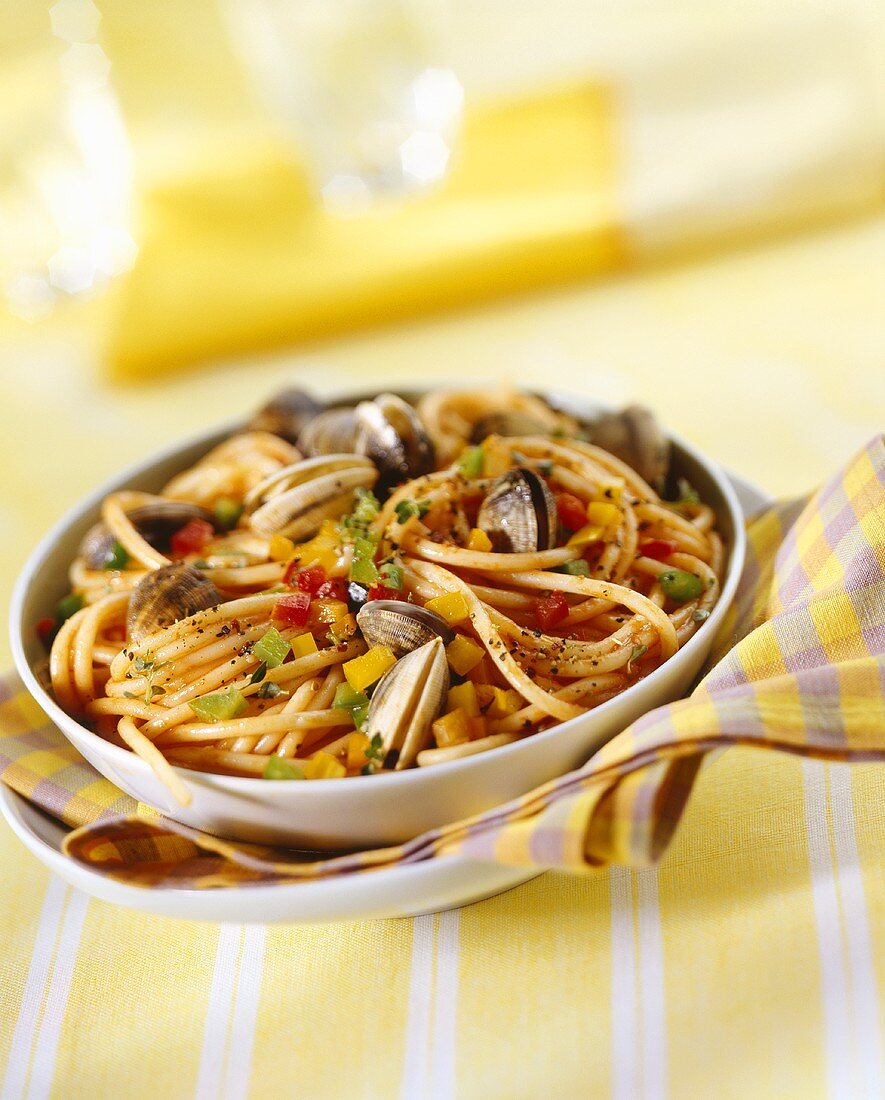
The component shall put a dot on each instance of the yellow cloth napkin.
(800, 669)
(242, 256)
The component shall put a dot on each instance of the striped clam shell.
(402, 626)
(408, 699)
(519, 513)
(294, 501)
(164, 596)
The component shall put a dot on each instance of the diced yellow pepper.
(322, 765)
(591, 533)
(478, 728)
(452, 607)
(496, 459)
(326, 610)
(479, 540)
(357, 744)
(345, 627)
(612, 490)
(452, 729)
(464, 697)
(498, 702)
(463, 654)
(504, 702)
(603, 514)
(323, 549)
(281, 548)
(304, 644)
(365, 670)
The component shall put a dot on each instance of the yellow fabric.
(241, 255)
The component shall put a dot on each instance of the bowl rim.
(414, 776)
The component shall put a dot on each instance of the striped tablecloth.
(746, 965)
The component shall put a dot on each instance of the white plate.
(391, 892)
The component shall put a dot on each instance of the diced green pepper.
(471, 461)
(271, 648)
(227, 512)
(222, 706)
(68, 606)
(392, 576)
(118, 557)
(408, 508)
(280, 768)
(360, 716)
(348, 699)
(363, 571)
(577, 568)
(680, 585)
(366, 507)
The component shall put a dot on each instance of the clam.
(508, 424)
(156, 522)
(634, 436)
(390, 433)
(331, 432)
(287, 414)
(294, 501)
(519, 513)
(406, 702)
(166, 595)
(402, 626)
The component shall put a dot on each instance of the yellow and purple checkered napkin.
(800, 668)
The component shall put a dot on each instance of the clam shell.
(507, 424)
(156, 522)
(390, 433)
(331, 432)
(287, 414)
(406, 702)
(402, 626)
(634, 435)
(294, 501)
(519, 513)
(166, 595)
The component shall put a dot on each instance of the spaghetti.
(264, 635)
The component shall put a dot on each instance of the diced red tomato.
(382, 592)
(192, 538)
(45, 628)
(334, 589)
(659, 549)
(551, 610)
(292, 610)
(572, 511)
(310, 579)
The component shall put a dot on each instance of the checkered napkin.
(799, 667)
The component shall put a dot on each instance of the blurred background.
(203, 200)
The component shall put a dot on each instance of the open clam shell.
(519, 513)
(294, 501)
(331, 432)
(287, 414)
(166, 595)
(407, 701)
(156, 522)
(402, 626)
(390, 433)
(507, 423)
(634, 435)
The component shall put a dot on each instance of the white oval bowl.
(387, 808)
